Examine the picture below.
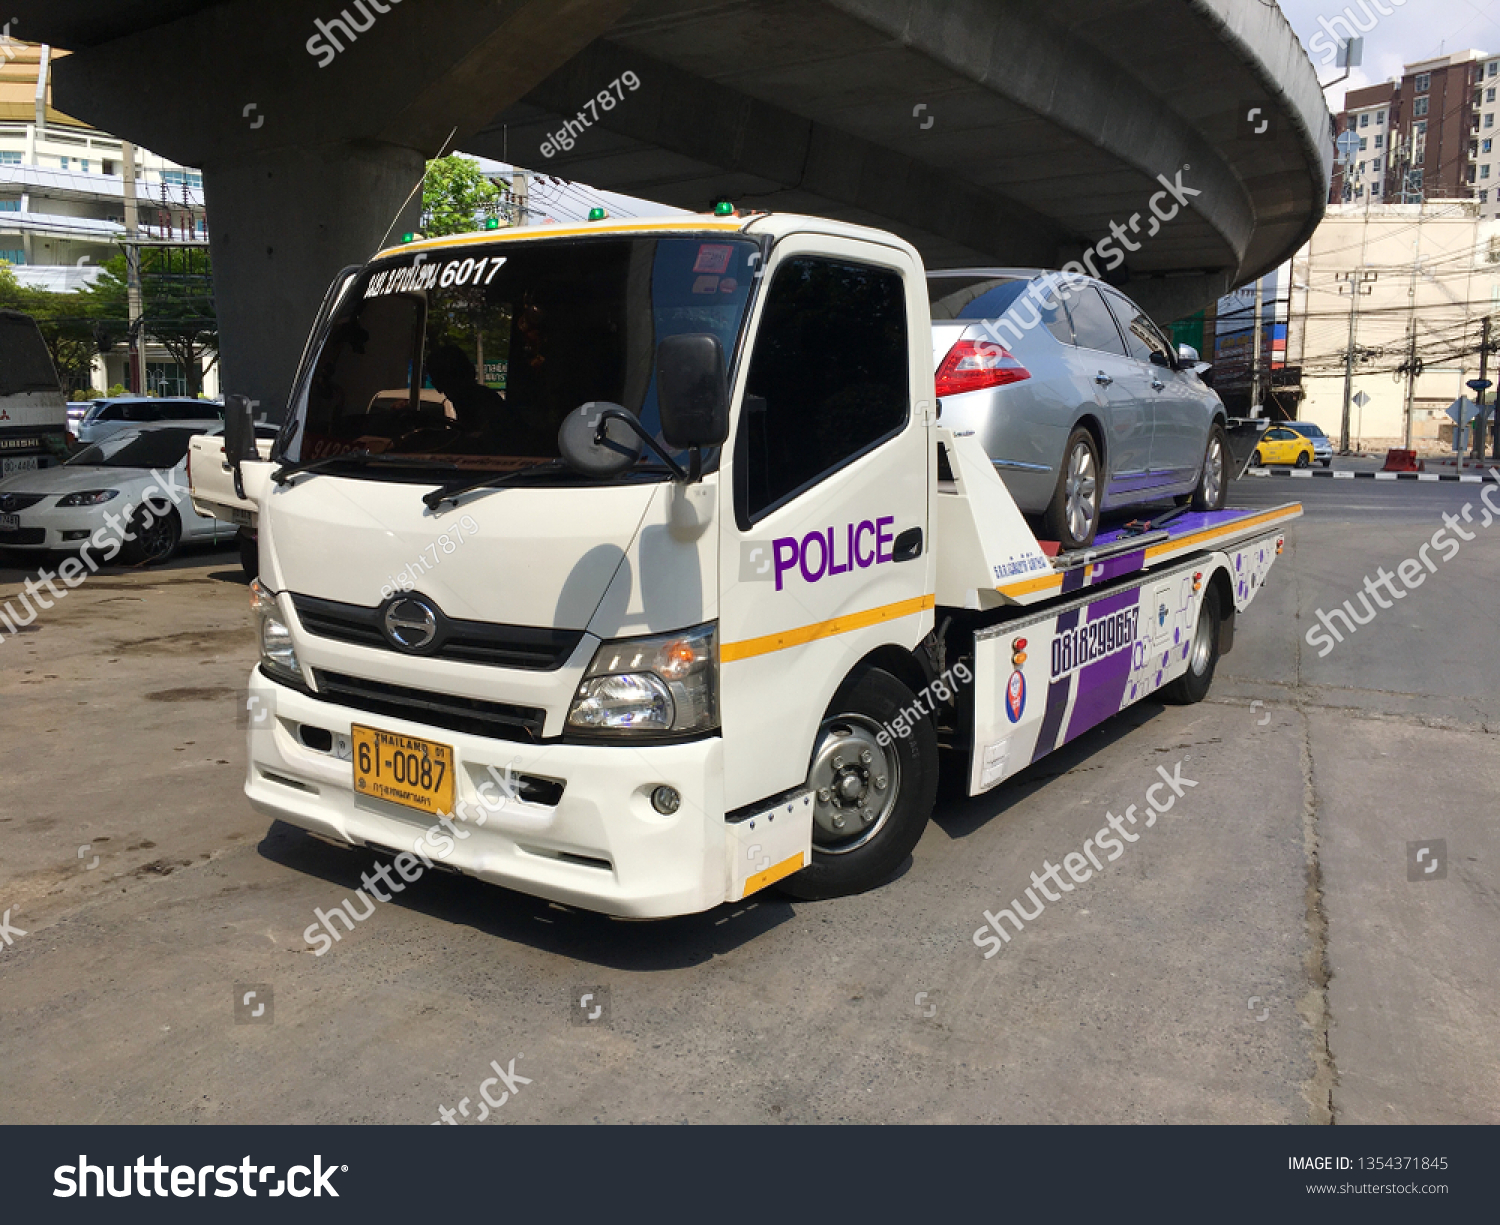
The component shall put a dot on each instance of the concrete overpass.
(1001, 131)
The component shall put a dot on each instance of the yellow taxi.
(1279, 445)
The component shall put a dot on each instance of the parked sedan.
(1282, 445)
(1079, 400)
(126, 495)
(106, 417)
(1322, 444)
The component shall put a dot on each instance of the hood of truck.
(541, 557)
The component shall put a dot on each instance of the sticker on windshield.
(706, 284)
(713, 257)
(420, 275)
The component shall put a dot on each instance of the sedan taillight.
(972, 365)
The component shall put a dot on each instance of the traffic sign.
(1361, 399)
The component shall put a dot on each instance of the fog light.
(666, 800)
(75, 535)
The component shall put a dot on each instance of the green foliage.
(63, 322)
(455, 197)
(177, 307)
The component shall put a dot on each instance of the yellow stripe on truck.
(773, 874)
(752, 647)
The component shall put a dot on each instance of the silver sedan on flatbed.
(1077, 397)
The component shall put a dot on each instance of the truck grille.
(497, 720)
(475, 642)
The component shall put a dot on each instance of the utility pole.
(137, 364)
(1255, 378)
(1360, 283)
(1484, 370)
(521, 193)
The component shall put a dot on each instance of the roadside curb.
(1326, 474)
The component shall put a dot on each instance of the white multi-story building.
(1486, 154)
(62, 201)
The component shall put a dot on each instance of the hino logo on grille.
(410, 623)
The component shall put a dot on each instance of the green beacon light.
(408, 237)
(723, 209)
(492, 223)
(597, 214)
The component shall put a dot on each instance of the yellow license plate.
(403, 770)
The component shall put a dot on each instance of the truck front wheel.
(874, 781)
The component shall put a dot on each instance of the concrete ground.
(1260, 955)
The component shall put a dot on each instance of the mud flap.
(769, 844)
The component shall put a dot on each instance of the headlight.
(88, 497)
(276, 650)
(663, 684)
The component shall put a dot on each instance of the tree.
(456, 197)
(64, 322)
(177, 307)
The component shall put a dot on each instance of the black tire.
(1203, 656)
(1302, 460)
(1213, 481)
(1255, 460)
(158, 534)
(1181, 499)
(1081, 483)
(850, 860)
(1327, 463)
(249, 554)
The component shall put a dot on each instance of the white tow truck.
(678, 588)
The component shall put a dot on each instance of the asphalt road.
(1261, 955)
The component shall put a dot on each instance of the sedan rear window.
(973, 297)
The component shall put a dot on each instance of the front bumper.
(601, 847)
(47, 527)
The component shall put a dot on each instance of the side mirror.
(692, 391)
(1187, 355)
(595, 444)
(239, 437)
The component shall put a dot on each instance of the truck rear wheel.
(1203, 656)
(871, 801)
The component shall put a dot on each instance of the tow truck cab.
(636, 557)
(33, 410)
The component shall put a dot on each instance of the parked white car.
(125, 496)
(106, 417)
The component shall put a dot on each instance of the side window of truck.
(828, 378)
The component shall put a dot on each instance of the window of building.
(1364, 143)
(10, 206)
(1494, 68)
(1484, 171)
(828, 393)
(1423, 82)
(1364, 120)
(63, 162)
(1489, 120)
(13, 257)
(1471, 174)
(1379, 118)
(165, 379)
(1486, 144)
(177, 178)
(1375, 166)
(1489, 94)
(8, 158)
(1484, 197)
(1416, 179)
(1380, 142)
(1360, 169)
(1421, 128)
(1419, 106)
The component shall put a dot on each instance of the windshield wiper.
(285, 473)
(451, 493)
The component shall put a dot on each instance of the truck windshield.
(25, 364)
(474, 355)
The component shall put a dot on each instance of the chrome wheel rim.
(1202, 642)
(1213, 475)
(1080, 492)
(854, 781)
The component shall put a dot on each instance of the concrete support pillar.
(281, 225)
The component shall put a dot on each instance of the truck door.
(825, 551)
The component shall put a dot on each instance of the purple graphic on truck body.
(1101, 684)
(816, 555)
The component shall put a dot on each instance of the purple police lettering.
(790, 553)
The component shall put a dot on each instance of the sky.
(1414, 30)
